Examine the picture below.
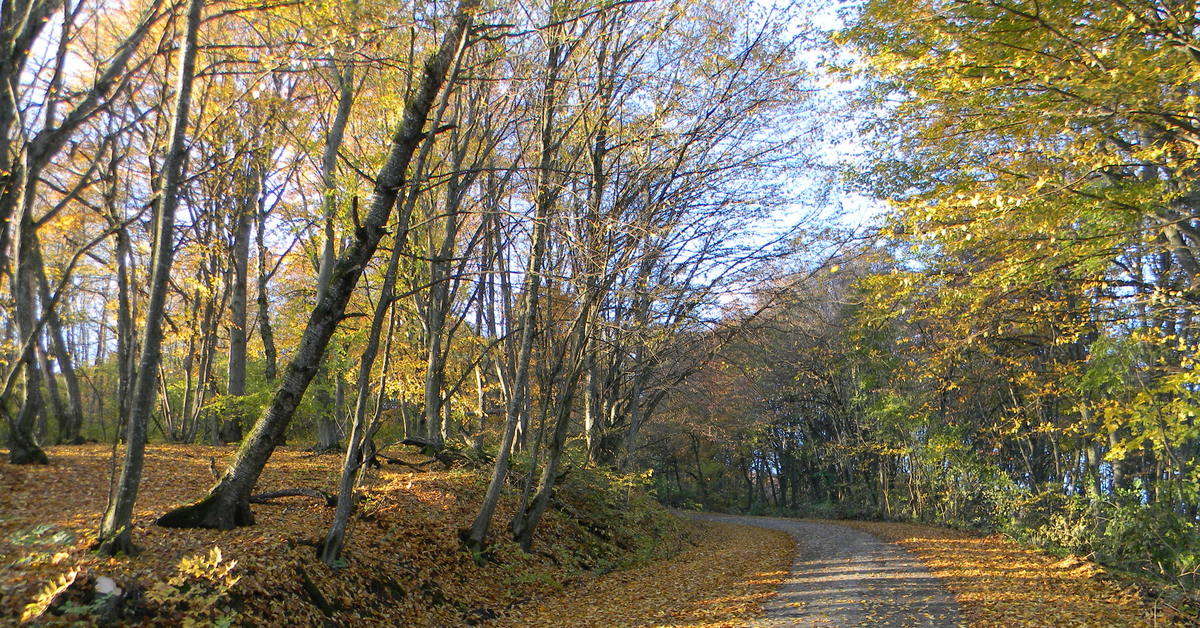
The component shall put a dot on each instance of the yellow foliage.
(202, 583)
(47, 595)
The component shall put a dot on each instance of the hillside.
(404, 562)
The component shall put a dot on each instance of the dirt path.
(844, 577)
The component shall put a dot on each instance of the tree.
(330, 550)
(115, 531)
(25, 159)
(227, 504)
(544, 200)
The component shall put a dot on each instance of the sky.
(823, 194)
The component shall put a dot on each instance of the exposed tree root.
(217, 511)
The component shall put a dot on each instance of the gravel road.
(844, 577)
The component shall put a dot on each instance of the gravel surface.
(844, 577)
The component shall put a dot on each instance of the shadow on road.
(844, 577)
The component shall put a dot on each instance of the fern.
(199, 589)
(45, 598)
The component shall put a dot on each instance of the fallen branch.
(262, 498)
(419, 466)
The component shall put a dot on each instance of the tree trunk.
(237, 301)
(207, 332)
(328, 432)
(115, 531)
(72, 420)
(368, 453)
(22, 443)
(125, 348)
(434, 385)
(330, 551)
(52, 391)
(524, 523)
(227, 504)
(592, 421)
(476, 536)
(264, 305)
(329, 424)
(437, 410)
(101, 334)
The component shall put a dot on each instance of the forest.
(1015, 347)
(930, 261)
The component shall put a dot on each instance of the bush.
(1148, 537)
(1124, 530)
(199, 594)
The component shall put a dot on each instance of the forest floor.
(1000, 583)
(601, 557)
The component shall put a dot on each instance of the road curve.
(844, 577)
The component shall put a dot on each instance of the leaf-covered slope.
(720, 580)
(405, 563)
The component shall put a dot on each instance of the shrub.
(199, 594)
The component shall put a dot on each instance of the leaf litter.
(404, 562)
